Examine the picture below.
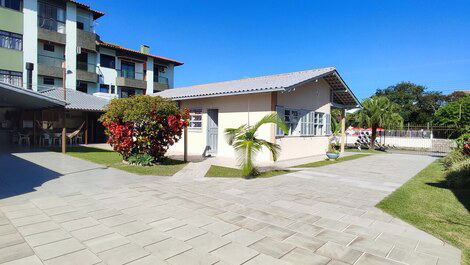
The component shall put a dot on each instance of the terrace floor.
(56, 209)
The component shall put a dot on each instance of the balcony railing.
(131, 74)
(51, 24)
(89, 67)
(161, 80)
(50, 61)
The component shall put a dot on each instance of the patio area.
(69, 211)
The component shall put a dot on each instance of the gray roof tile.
(77, 100)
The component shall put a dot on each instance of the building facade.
(41, 40)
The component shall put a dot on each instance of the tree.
(455, 114)
(245, 142)
(143, 125)
(417, 106)
(378, 112)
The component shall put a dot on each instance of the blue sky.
(372, 43)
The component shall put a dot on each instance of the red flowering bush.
(143, 125)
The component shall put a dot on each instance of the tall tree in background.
(455, 114)
(378, 112)
(417, 106)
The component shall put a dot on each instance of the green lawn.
(329, 162)
(228, 172)
(425, 202)
(364, 151)
(113, 159)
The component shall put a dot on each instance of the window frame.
(195, 112)
(49, 79)
(308, 123)
(4, 5)
(11, 40)
(48, 45)
(11, 77)
(108, 64)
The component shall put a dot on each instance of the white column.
(30, 40)
(71, 45)
(149, 76)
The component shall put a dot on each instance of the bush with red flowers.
(143, 125)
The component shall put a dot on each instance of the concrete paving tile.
(331, 224)
(335, 236)
(10, 240)
(220, 228)
(59, 210)
(152, 216)
(17, 207)
(302, 256)
(305, 218)
(49, 202)
(58, 248)
(168, 248)
(38, 228)
(167, 224)
(47, 237)
(105, 213)
(303, 241)
(148, 260)
(447, 251)
(207, 242)
(186, 232)
(131, 228)
(31, 260)
(305, 229)
(370, 246)
(118, 220)
(88, 233)
(262, 259)
(193, 257)
(30, 220)
(123, 254)
(411, 257)
(199, 220)
(148, 237)
(355, 220)
(69, 216)
(364, 232)
(398, 241)
(272, 247)
(234, 253)
(82, 257)
(336, 262)
(230, 217)
(15, 252)
(106, 242)
(7, 229)
(369, 259)
(23, 213)
(338, 252)
(243, 237)
(251, 224)
(276, 232)
(79, 224)
(210, 211)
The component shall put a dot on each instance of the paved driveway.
(57, 209)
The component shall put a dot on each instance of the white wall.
(30, 39)
(71, 46)
(311, 96)
(109, 74)
(149, 76)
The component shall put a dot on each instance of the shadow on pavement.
(19, 176)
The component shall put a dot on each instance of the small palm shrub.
(458, 175)
(141, 160)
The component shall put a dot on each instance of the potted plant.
(332, 152)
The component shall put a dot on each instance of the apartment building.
(41, 40)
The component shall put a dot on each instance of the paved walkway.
(69, 211)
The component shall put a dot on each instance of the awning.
(12, 96)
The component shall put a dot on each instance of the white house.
(304, 99)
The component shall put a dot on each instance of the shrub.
(463, 143)
(455, 156)
(458, 175)
(143, 125)
(141, 160)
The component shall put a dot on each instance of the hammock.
(76, 132)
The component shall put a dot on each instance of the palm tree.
(247, 145)
(378, 112)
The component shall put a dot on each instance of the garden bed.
(426, 202)
(168, 167)
(227, 172)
